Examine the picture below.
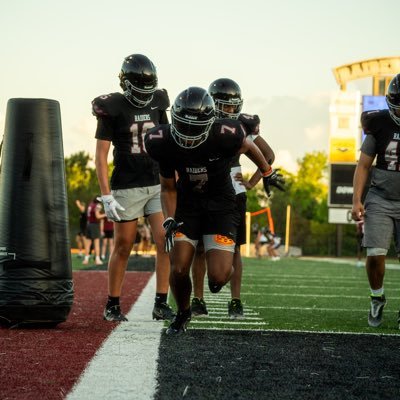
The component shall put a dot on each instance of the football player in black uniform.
(134, 188)
(227, 97)
(201, 203)
(381, 209)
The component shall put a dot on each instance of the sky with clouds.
(280, 52)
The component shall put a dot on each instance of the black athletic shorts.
(200, 219)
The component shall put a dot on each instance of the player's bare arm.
(359, 182)
(168, 196)
(102, 149)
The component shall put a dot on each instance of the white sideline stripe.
(125, 367)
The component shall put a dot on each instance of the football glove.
(274, 178)
(171, 227)
(111, 206)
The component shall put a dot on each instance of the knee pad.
(376, 251)
(218, 242)
(181, 237)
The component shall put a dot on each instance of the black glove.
(273, 179)
(171, 227)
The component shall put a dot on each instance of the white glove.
(111, 206)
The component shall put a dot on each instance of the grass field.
(304, 295)
(300, 294)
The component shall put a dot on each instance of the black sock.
(112, 301)
(161, 298)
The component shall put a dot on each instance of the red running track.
(45, 363)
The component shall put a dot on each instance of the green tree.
(81, 184)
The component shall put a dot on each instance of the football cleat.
(179, 323)
(235, 309)
(114, 314)
(376, 311)
(163, 311)
(198, 307)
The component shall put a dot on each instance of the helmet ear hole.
(192, 116)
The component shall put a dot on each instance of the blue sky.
(280, 52)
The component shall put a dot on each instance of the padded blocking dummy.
(36, 285)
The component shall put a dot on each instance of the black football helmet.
(393, 98)
(226, 92)
(138, 79)
(192, 116)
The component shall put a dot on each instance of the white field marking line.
(228, 322)
(297, 331)
(318, 309)
(314, 295)
(268, 278)
(222, 311)
(348, 262)
(124, 367)
(256, 285)
(225, 318)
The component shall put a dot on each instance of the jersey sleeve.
(102, 109)
(251, 124)
(161, 101)
(228, 135)
(370, 121)
(156, 144)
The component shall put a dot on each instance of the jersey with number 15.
(125, 125)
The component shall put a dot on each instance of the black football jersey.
(387, 135)
(383, 141)
(251, 124)
(125, 125)
(205, 170)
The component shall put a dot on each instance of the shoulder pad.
(156, 141)
(251, 123)
(371, 121)
(107, 105)
(161, 99)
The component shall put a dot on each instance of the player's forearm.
(359, 182)
(102, 175)
(254, 154)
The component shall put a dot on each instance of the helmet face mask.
(138, 79)
(393, 99)
(192, 116)
(227, 97)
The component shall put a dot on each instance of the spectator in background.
(145, 238)
(274, 241)
(81, 235)
(93, 231)
(108, 238)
